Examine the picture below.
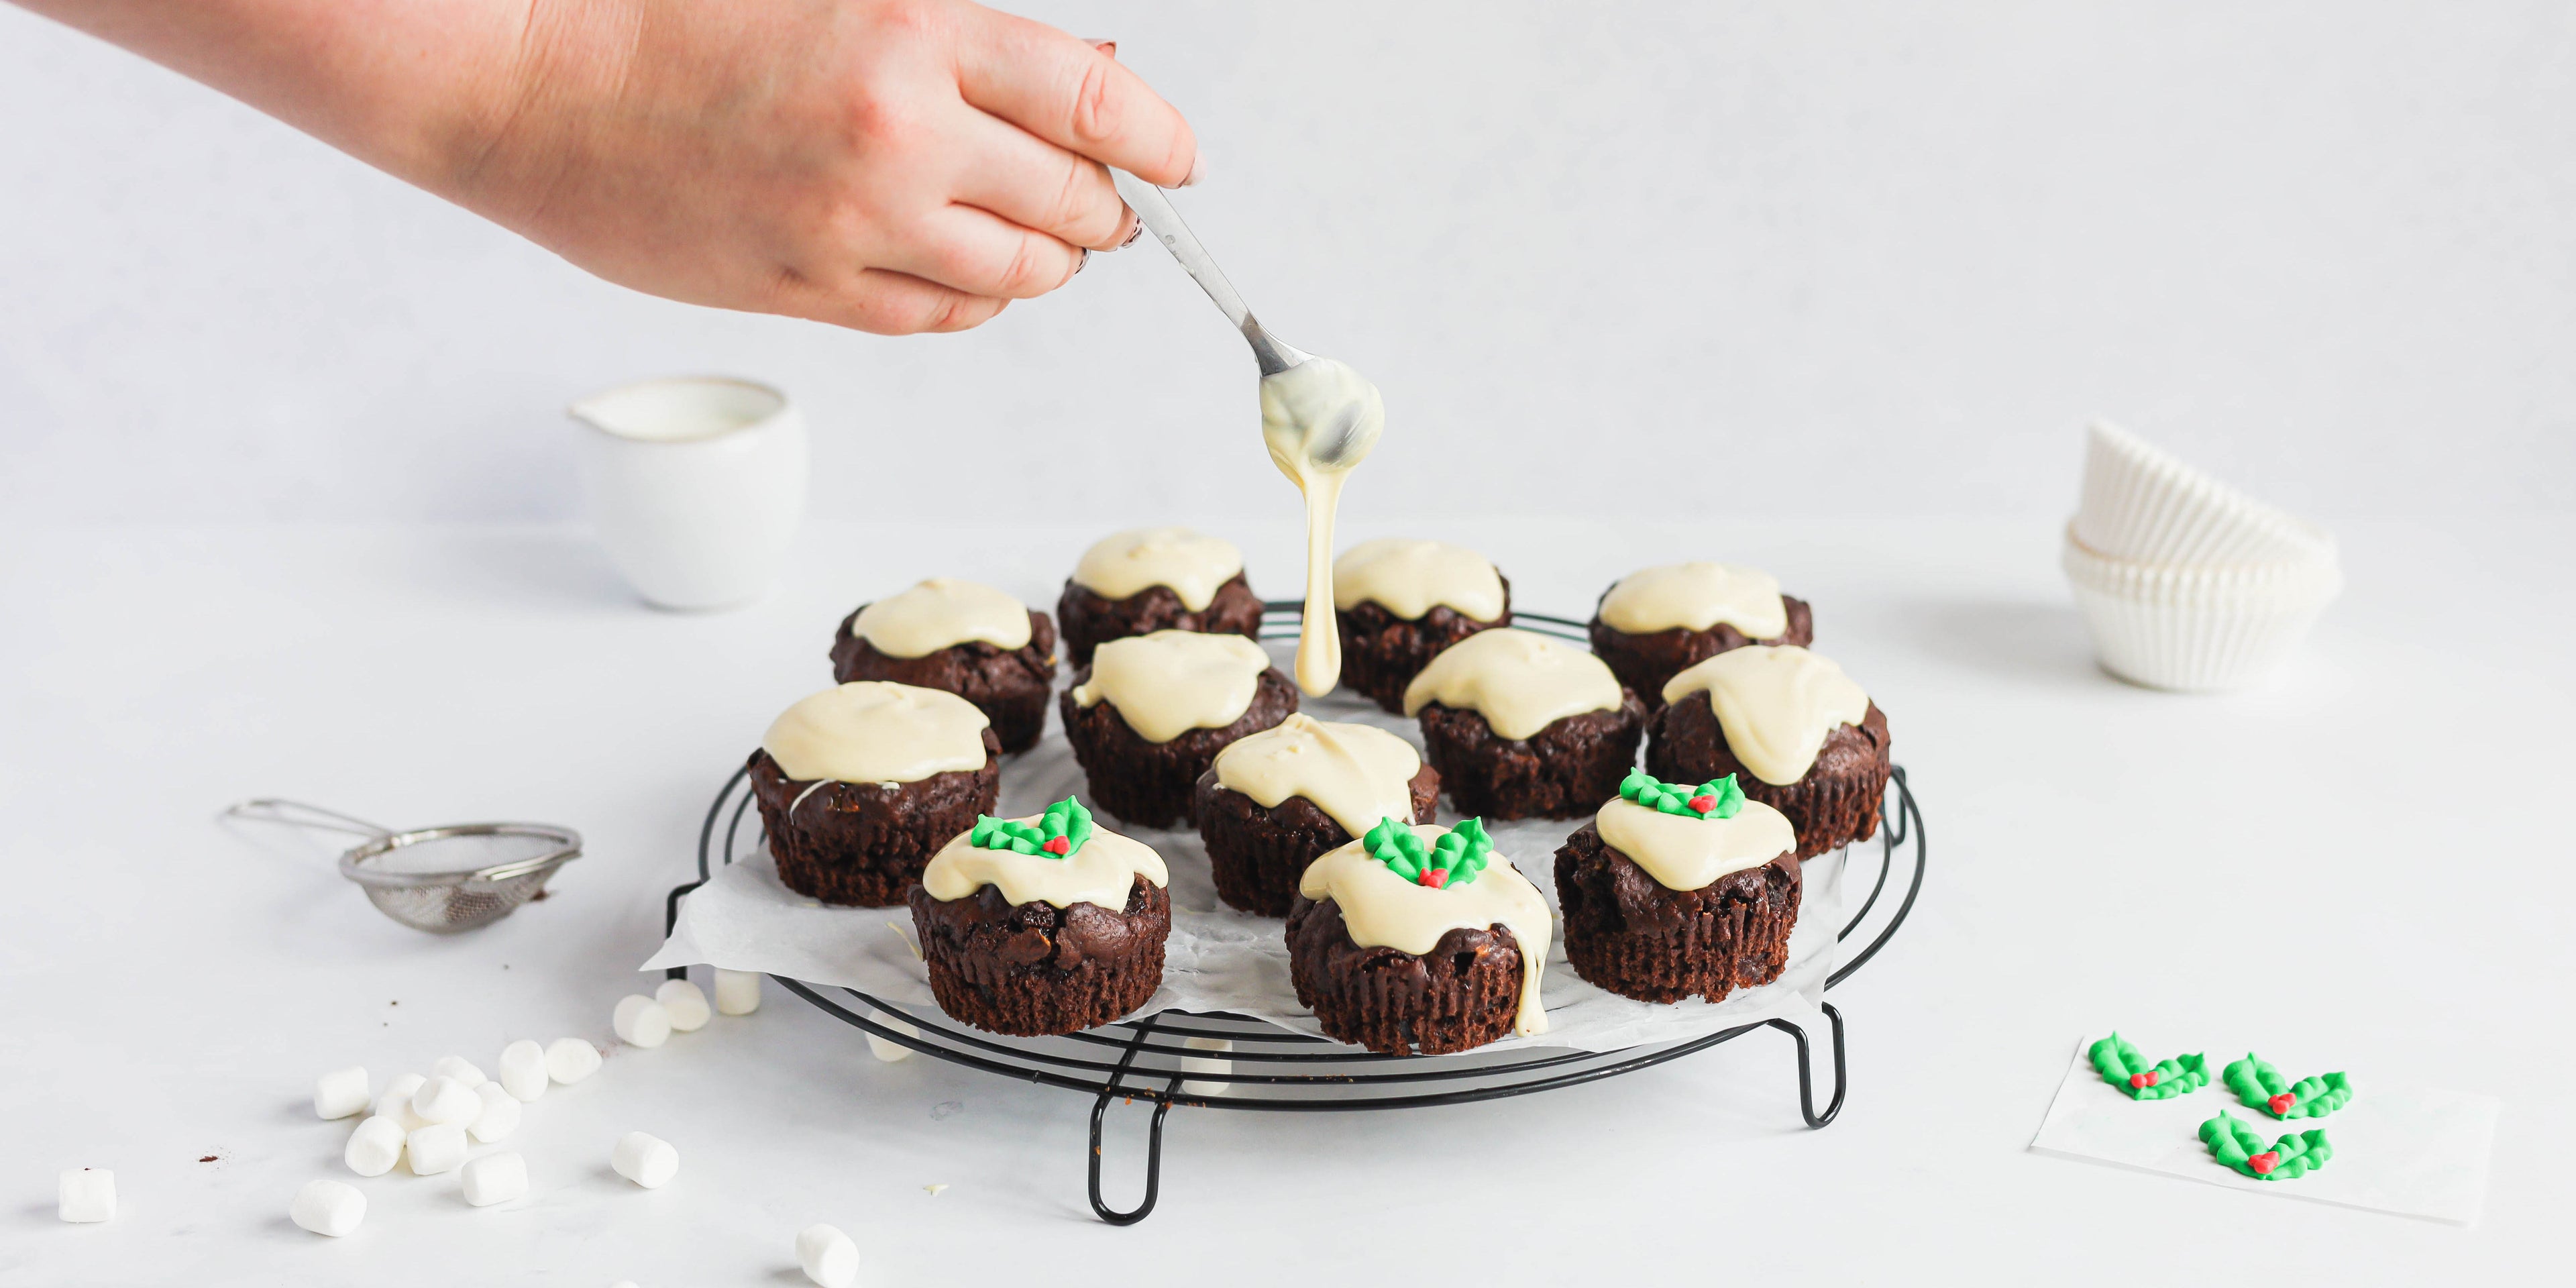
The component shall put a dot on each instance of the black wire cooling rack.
(1175, 1057)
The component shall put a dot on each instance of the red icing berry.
(2264, 1162)
(1703, 803)
(2282, 1103)
(1058, 846)
(2147, 1079)
(1434, 877)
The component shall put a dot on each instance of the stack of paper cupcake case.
(2185, 583)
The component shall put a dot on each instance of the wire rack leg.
(1153, 1138)
(1806, 1078)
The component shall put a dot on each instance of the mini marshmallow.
(891, 1051)
(495, 1178)
(435, 1148)
(395, 1103)
(328, 1207)
(828, 1256)
(648, 1161)
(569, 1060)
(86, 1195)
(460, 1069)
(375, 1147)
(640, 1021)
(445, 1100)
(1206, 1064)
(500, 1114)
(684, 1004)
(523, 1070)
(737, 991)
(340, 1093)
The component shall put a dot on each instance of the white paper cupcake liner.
(2197, 630)
(2141, 504)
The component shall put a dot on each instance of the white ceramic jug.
(696, 485)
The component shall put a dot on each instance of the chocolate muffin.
(1656, 623)
(1042, 925)
(859, 785)
(1325, 783)
(968, 639)
(1523, 726)
(1155, 579)
(1151, 712)
(1697, 899)
(1462, 941)
(1796, 733)
(1398, 603)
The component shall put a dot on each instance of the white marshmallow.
(523, 1070)
(445, 1100)
(435, 1148)
(500, 1114)
(375, 1147)
(640, 1021)
(328, 1207)
(648, 1161)
(495, 1178)
(1206, 1064)
(686, 1006)
(340, 1093)
(737, 991)
(395, 1103)
(891, 1051)
(459, 1068)
(569, 1060)
(84, 1195)
(828, 1256)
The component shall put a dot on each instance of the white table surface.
(2365, 858)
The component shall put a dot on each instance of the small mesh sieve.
(438, 879)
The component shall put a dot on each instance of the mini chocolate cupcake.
(1523, 726)
(1658, 622)
(1797, 733)
(1155, 579)
(1276, 799)
(1419, 938)
(859, 785)
(969, 639)
(1398, 603)
(1042, 925)
(1151, 712)
(1673, 891)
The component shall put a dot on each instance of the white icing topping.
(1688, 852)
(1409, 578)
(1697, 596)
(1129, 563)
(1775, 704)
(1101, 873)
(1167, 683)
(1357, 774)
(877, 731)
(1383, 910)
(1319, 419)
(1521, 682)
(940, 613)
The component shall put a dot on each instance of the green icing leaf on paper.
(2260, 1086)
(1452, 860)
(2292, 1156)
(1058, 833)
(2120, 1065)
(1716, 798)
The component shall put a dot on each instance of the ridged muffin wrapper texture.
(2142, 505)
(2196, 630)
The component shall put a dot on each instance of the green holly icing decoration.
(2260, 1086)
(2122, 1067)
(1058, 833)
(2292, 1156)
(1453, 860)
(1716, 798)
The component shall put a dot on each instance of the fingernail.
(1109, 47)
(1082, 263)
(1198, 171)
(1133, 233)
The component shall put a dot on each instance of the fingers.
(981, 253)
(1035, 184)
(884, 302)
(1074, 96)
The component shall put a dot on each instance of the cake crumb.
(207, 1159)
(935, 1189)
(538, 897)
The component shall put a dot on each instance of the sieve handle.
(298, 814)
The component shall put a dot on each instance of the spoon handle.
(1156, 213)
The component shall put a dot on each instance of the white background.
(1887, 254)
